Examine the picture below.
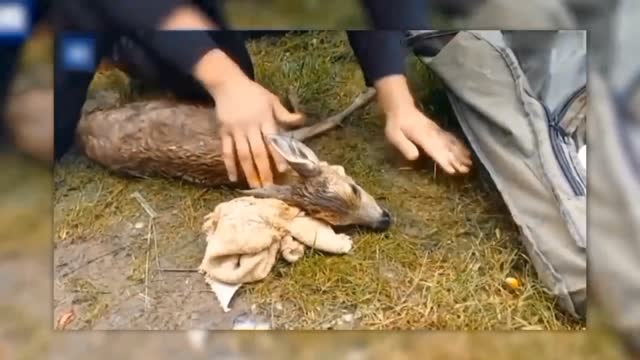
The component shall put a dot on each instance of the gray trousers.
(613, 130)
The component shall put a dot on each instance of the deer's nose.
(385, 221)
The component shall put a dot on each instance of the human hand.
(410, 130)
(247, 113)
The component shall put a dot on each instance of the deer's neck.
(288, 177)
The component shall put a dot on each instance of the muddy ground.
(443, 264)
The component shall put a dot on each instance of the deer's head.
(323, 191)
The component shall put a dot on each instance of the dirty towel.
(246, 235)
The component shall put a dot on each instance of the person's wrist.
(394, 96)
(217, 72)
(187, 17)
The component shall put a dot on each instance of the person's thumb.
(284, 116)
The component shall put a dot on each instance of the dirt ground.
(26, 331)
(442, 265)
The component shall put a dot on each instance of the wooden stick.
(331, 122)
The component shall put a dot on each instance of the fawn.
(162, 138)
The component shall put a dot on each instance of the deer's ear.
(280, 192)
(299, 156)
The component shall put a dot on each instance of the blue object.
(15, 21)
(78, 53)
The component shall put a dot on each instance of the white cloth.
(246, 235)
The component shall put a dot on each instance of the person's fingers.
(460, 146)
(284, 116)
(260, 156)
(246, 159)
(459, 166)
(466, 160)
(461, 153)
(446, 162)
(438, 151)
(269, 128)
(229, 157)
(400, 141)
(465, 149)
(462, 156)
(435, 147)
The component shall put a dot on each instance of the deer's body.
(167, 139)
(156, 138)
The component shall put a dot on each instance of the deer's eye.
(355, 190)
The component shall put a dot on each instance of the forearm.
(382, 54)
(379, 53)
(215, 70)
(177, 33)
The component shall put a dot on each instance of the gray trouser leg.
(598, 16)
(533, 50)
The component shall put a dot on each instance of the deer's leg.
(294, 100)
(331, 122)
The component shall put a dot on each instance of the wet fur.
(162, 138)
(324, 196)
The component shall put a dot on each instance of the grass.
(441, 266)
(307, 14)
(287, 14)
